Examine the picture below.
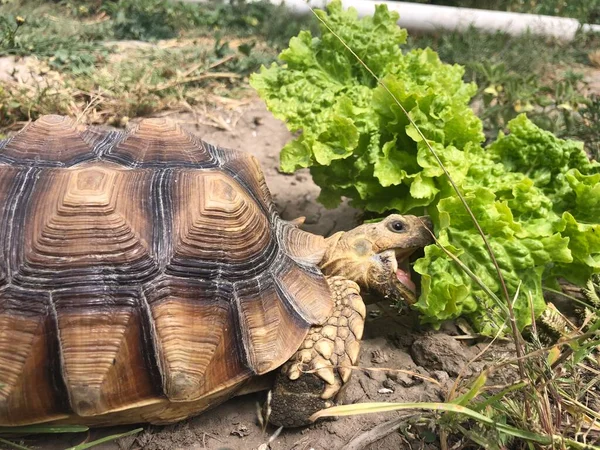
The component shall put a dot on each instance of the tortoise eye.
(396, 226)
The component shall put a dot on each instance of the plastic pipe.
(432, 18)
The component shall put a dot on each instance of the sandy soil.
(391, 341)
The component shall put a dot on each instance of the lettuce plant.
(536, 197)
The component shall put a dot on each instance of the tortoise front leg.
(316, 373)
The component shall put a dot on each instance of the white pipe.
(432, 18)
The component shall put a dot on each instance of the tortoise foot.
(314, 376)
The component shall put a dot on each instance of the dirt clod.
(378, 356)
(441, 352)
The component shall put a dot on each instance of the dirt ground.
(392, 341)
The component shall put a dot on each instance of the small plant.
(24, 102)
(75, 72)
(588, 128)
(39, 37)
(8, 31)
(148, 19)
(57, 429)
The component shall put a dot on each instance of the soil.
(428, 361)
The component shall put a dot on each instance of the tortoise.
(145, 276)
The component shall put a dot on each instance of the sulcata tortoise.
(146, 276)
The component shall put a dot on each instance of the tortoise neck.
(330, 262)
(302, 246)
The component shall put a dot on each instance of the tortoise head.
(376, 255)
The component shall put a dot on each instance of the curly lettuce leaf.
(357, 143)
(543, 157)
(522, 255)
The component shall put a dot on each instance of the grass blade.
(43, 429)
(14, 445)
(377, 407)
(474, 391)
(105, 439)
(364, 408)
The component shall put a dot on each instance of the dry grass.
(134, 81)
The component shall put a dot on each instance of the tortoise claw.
(315, 375)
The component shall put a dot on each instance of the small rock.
(241, 431)
(375, 313)
(441, 376)
(385, 391)
(449, 327)
(404, 379)
(389, 384)
(312, 219)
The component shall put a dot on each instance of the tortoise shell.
(144, 275)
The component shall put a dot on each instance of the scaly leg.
(316, 373)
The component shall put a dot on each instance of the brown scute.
(28, 346)
(100, 333)
(302, 247)
(91, 216)
(52, 141)
(246, 169)
(158, 142)
(270, 331)
(221, 224)
(308, 293)
(193, 320)
(144, 275)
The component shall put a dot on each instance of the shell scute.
(195, 337)
(218, 225)
(159, 143)
(30, 381)
(86, 220)
(245, 169)
(53, 141)
(103, 365)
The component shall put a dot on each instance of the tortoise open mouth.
(404, 276)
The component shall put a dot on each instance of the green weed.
(151, 19)
(588, 128)
(57, 429)
(24, 102)
(67, 45)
